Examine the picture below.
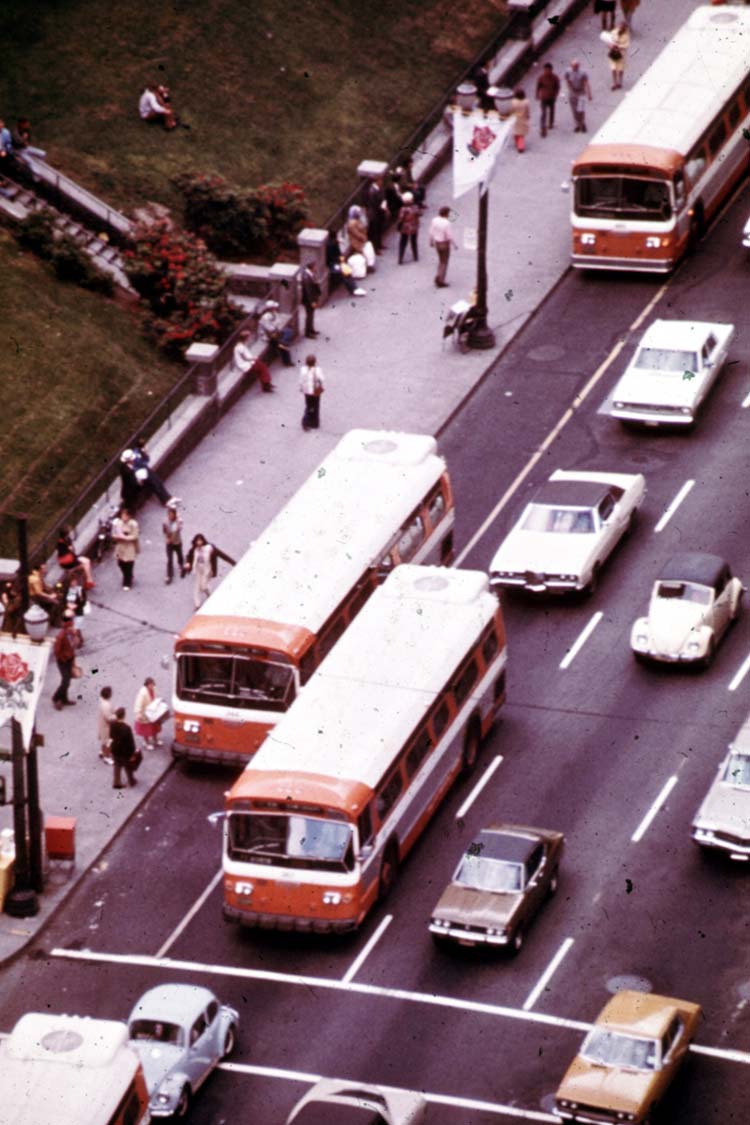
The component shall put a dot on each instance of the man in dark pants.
(122, 749)
(66, 643)
(547, 89)
(375, 207)
(310, 298)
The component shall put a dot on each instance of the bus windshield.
(291, 840)
(622, 197)
(239, 680)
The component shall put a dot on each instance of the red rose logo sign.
(16, 680)
(481, 139)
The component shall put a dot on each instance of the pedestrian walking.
(521, 111)
(547, 89)
(125, 754)
(579, 88)
(270, 332)
(202, 560)
(172, 531)
(408, 228)
(104, 717)
(606, 8)
(247, 363)
(149, 712)
(310, 296)
(441, 237)
(628, 10)
(126, 538)
(618, 42)
(312, 386)
(67, 643)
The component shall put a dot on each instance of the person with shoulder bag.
(125, 754)
(618, 42)
(312, 386)
(67, 642)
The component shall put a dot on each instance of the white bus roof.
(56, 1069)
(331, 528)
(382, 675)
(681, 92)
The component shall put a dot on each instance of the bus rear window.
(237, 681)
(618, 197)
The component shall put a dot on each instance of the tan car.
(628, 1059)
(503, 878)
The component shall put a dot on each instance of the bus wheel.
(471, 749)
(697, 227)
(230, 1041)
(183, 1105)
(388, 871)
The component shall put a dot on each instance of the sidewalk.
(386, 366)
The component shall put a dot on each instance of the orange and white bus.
(377, 500)
(318, 822)
(670, 154)
(56, 1069)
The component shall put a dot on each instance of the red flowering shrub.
(257, 223)
(178, 278)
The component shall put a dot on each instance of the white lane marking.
(362, 956)
(190, 914)
(740, 674)
(666, 789)
(674, 505)
(478, 788)
(547, 975)
(745, 402)
(438, 1099)
(726, 1053)
(563, 421)
(430, 999)
(582, 638)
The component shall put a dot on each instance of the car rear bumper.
(259, 920)
(544, 585)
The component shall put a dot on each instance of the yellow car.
(628, 1059)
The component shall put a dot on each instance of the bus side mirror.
(215, 818)
(365, 852)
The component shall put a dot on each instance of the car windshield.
(566, 521)
(737, 770)
(666, 360)
(291, 840)
(244, 681)
(685, 591)
(621, 197)
(612, 1048)
(483, 874)
(157, 1031)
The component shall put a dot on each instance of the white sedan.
(672, 371)
(693, 603)
(567, 531)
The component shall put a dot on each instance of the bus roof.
(331, 527)
(381, 676)
(679, 95)
(64, 1068)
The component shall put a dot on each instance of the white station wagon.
(722, 823)
(567, 531)
(672, 371)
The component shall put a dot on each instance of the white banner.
(23, 665)
(477, 140)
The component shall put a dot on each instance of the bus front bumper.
(287, 923)
(643, 265)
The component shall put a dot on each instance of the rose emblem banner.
(477, 140)
(23, 666)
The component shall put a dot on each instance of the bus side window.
(436, 508)
(717, 138)
(465, 682)
(411, 539)
(360, 597)
(696, 165)
(734, 113)
(490, 645)
(417, 753)
(307, 665)
(389, 794)
(679, 190)
(331, 635)
(364, 826)
(440, 719)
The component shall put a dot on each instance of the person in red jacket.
(547, 89)
(67, 641)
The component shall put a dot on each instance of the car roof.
(505, 843)
(693, 566)
(178, 1003)
(676, 334)
(571, 493)
(638, 1013)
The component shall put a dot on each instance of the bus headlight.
(653, 242)
(245, 889)
(191, 726)
(588, 239)
(331, 898)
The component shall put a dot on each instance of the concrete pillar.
(284, 277)
(202, 357)
(371, 169)
(312, 252)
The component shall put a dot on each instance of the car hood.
(607, 1087)
(476, 908)
(726, 807)
(654, 388)
(157, 1059)
(670, 621)
(542, 552)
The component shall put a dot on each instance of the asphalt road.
(587, 748)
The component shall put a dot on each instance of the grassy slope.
(271, 90)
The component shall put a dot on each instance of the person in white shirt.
(312, 386)
(441, 237)
(152, 108)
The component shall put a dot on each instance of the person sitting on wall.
(152, 107)
(270, 332)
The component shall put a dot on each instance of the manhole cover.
(547, 352)
(629, 981)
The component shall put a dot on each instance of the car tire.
(593, 582)
(470, 751)
(183, 1105)
(708, 659)
(230, 1041)
(516, 942)
(632, 522)
(388, 869)
(737, 609)
(440, 942)
(553, 882)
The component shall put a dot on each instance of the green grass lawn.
(77, 379)
(271, 91)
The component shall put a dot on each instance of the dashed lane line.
(578, 644)
(478, 787)
(363, 954)
(190, 914)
